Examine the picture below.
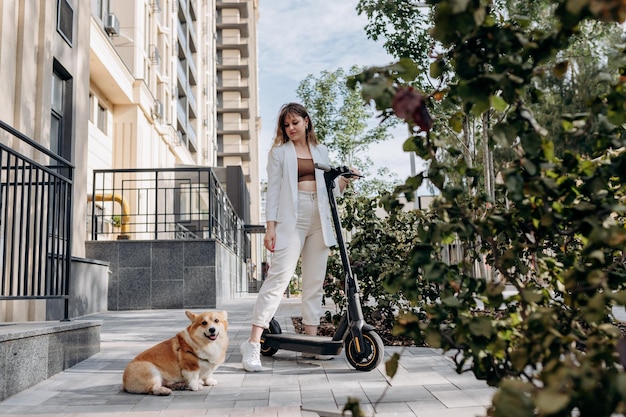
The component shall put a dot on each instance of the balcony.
(178, 238)
(193, 107)
(235, 151)
(242, 107)
(238, 129)
(192, 71)
(234, 44)
(232, 65)
(243, 90)
(182, 7)
(181, 71)
(192, 39)
(243, 111)
(240, 5)
(182, 39)
(192, 141)
(236, 24)
(181, 110)
(192, 9)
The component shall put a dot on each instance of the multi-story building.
(189, 96)
(153, 81)
(238, 121)
(125, 84)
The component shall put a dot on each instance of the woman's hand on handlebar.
(346, 178)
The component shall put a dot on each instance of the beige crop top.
(306, 170)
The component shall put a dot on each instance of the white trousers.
(307, 242)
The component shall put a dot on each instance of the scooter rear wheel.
(273, 328)
(375, 358)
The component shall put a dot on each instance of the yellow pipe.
(125, 220)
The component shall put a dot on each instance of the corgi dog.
(185, 361)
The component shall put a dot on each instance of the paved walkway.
(426, 384)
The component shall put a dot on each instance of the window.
(102, 118)
(61, 112)
(91, 98)
(65, 20)
(56, 125)
(101, 8)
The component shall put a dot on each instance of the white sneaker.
(317, 357)
(251, 353)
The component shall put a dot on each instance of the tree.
(341, 120)
(554, 228)
(401, 25)
(406, 30)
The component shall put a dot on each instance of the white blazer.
(282, 192)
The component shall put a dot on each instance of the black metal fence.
(163, 204)
(35, 219)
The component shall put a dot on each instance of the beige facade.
(155, 84)
(151, 75)
(41, 48)
(177, 80)
(237, 88)
(238, 120)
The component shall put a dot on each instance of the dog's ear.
(225, 314)
(190, 315)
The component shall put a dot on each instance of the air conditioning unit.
(157, 109)
(112, 25)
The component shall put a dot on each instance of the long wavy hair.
(295, 109)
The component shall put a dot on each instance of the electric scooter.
(364, 347)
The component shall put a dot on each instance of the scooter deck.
(321, 345)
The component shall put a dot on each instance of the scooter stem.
(355, 320)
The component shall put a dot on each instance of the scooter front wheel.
(375, 346)
(273, 328)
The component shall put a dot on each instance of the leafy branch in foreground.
(526, 301)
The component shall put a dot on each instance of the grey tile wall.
(33, 352)
(169, 274)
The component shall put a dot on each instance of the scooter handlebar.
(340, 170)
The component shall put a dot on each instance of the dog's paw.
(210, 382)
(194, 386)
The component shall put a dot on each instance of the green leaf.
(391, 366)
(594, 311)
(436, 70)
(451, 301)
(433, 339)
(409, 70)
(481, 326)
(513, 399)
(481, 106)
(498, 103)
(531, 296)
(618, 296)
(519, 358)
(456, 122)
(551, 402)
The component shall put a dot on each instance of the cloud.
(297, 38)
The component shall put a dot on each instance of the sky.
(301, 37)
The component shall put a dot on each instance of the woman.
(298, 225)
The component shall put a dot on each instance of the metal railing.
(163, 204)
(35, 220)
